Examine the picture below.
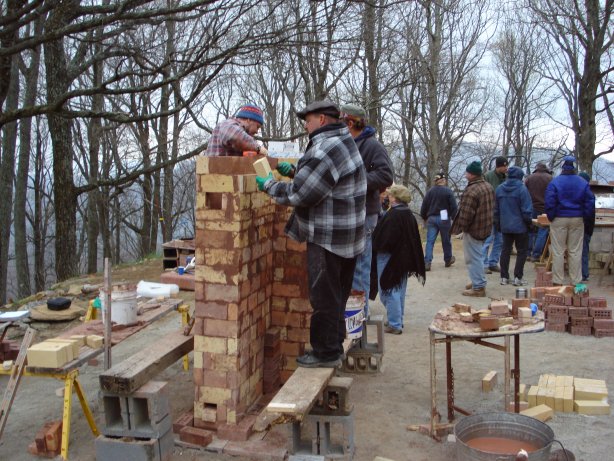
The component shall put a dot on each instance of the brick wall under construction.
(251, 289)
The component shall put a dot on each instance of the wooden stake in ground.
(107, 321)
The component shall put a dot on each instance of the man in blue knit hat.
(569, 201)
(234, 136)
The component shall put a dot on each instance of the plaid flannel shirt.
(328, 192)
(229, 138)
(476, 209)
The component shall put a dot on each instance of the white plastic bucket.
(354, 315)
(154, 290)
(124, 308)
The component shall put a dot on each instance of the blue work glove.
(261, 180)
(285, 169)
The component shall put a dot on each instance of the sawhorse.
(71, 382)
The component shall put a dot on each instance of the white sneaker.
(519, 282)
(504, 281)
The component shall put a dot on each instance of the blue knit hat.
(568, 163)
(251, 112)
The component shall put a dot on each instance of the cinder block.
(166, 443)
(126, 448)
(117, 421)
(541, 412)
(335, 398)
(489, 381)
(149, 403)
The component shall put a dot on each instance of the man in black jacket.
(438, 210)
(379, 177)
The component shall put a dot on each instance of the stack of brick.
(48, 441)
(249, 277)
(567, 394)
(9, 350)
(272, 361)
(543, 278)
(137, 426)
(577, 315)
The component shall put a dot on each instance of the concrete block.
(489, 381)
(335, 397)
(540, 412)
(126, 448)
(49, 355)
(149, 403)
(166, 443)
(117, 421)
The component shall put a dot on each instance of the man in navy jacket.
(569, 201)
(513, 212)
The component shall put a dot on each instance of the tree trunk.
(38, 224)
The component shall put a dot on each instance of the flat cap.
(325, 107)
(353, 110)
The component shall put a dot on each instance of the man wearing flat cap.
(235, 135)
(437, 210)
(475, 220)
(379, 177)
(569, 201)
(494, 242)
(328, 195)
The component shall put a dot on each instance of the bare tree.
(579, 60)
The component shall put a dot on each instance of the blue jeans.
(496, 238)
(538, 239)
(473, 260)
(362, 273)
(395, 300)
(587, 241)
(435, 225)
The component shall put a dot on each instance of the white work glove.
(263, 150)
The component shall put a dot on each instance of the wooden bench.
(127, 376)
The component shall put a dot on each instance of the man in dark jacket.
(379, 177)
(495, 178)
(474, 220)
(536, 184)
(569, 201)
(437, 210)
(589, 227)
(513, 212)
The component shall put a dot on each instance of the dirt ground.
(385, 403)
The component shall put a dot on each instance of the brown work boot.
(479, 293)
(451, 261)
(469, 286)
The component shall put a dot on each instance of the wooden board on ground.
(132, 373)
(298, 395)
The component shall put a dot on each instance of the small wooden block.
(262, 167)
(568, 400)
(591, 407)
(540, 412)
(489, 381)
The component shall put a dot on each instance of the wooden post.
(107, 321)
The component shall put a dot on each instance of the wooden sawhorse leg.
(184, 310)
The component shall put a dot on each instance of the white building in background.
(284, 149)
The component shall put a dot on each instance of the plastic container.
(154, 290)
(124, 308)
(354, 315)
(510, 426)
(180, 270)
(521, 293)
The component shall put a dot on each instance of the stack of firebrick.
(565, 311)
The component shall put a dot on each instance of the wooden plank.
(132, 373)
(298, 395)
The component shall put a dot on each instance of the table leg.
(516, 373)
(508, 376)
(433, 384)
(450, 380)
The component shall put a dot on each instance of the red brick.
(580, 331)
(216, 239)
(195, 436)
(581, 321)
(220, 328)
(298, 335)
(53, 437)
(183, 420)
(578, 312)
(211, 310)
(198, 376)
(600, 313)
(603, 324)
(237, 432)
(293, 349)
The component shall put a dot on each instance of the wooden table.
(447, 328)
(69, 372)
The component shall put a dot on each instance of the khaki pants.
(566, 234)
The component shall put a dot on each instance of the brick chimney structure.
(250, 288)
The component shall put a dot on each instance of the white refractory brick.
(115, 449)
(117, 421)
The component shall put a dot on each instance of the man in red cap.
(235, 135)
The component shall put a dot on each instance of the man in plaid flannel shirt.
(235, 135)
(474, 219)
(328, 193)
